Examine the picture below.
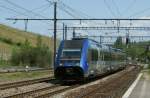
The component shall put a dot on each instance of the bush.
(39, 56)
(149, 66)
(6, 40)
(9, 41)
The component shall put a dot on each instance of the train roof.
(73, 44)
(83, 38)
(102, 45)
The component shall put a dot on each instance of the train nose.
(68, 72)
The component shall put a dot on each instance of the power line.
(130, 6)
(20, 13)
(37, 8)
(44, 9)
(18, 6)
(70, 11)
(50, 1)
(74, 11)
(116, 6)
(17, 12)
(109, 8)
(140, 12)
(66, 11)
(87, 19)
(41, 8)
(24, 13)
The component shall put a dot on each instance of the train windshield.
(71, 53)
(74, 61)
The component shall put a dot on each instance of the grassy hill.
(12, 37)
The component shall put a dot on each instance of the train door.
(92, 60)
(89, 60)
(89, 57)
(100, 59)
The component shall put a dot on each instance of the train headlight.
(60, 64)
(77, 64)
(91, 72)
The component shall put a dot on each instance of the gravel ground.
(113, 85)
(12, 91)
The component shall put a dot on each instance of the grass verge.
(23, 75)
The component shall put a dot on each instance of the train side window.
(94, 55)
(107, 56)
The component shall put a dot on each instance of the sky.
(74, 9)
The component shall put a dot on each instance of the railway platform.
(140, 88)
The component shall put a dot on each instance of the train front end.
(71, 61)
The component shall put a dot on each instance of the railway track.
(23, 83)
(56, 89)
(49, 94)
(43, 92)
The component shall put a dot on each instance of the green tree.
(118, 43)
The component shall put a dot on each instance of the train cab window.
(70, 61)
(71, 53)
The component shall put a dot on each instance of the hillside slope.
(9, 35)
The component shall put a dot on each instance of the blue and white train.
(82, 58)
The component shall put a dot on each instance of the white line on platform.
(128, 92)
